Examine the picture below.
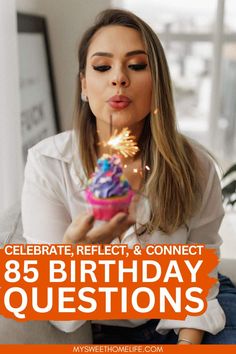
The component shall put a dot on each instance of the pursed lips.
(119, 101)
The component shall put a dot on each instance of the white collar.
(64, 147)
(60, 146)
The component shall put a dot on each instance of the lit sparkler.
(123, 142)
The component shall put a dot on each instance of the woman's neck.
(104, 134)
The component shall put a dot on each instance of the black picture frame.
(38, 99)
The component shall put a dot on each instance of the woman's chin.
(118, 120)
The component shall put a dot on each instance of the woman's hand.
(81, 229)
(190, 336)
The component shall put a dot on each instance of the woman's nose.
(120, 79)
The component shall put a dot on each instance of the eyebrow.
(110, 55)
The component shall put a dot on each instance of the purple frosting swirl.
(108, 180)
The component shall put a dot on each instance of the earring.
(155, 112)
(84, 98)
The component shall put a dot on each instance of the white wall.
(10, 138)
(67, 20)
(30, 6)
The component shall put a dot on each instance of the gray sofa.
(43, 332)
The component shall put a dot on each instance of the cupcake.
(108, 191)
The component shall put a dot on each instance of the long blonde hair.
(172, 185)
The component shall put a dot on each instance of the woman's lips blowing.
(119, 101)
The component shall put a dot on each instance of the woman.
(123, 74)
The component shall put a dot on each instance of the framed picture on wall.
(39, 110)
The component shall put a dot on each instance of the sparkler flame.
(123, 142)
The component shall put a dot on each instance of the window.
(200, 45)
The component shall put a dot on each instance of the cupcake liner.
(106, 208)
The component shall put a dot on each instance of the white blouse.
(53, 190)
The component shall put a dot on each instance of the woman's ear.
(83, 84)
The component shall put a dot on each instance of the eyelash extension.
(137, 67)
(101, 67)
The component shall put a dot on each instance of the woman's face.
(117, 78)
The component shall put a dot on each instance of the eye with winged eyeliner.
(101, 67)
(135, 67)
